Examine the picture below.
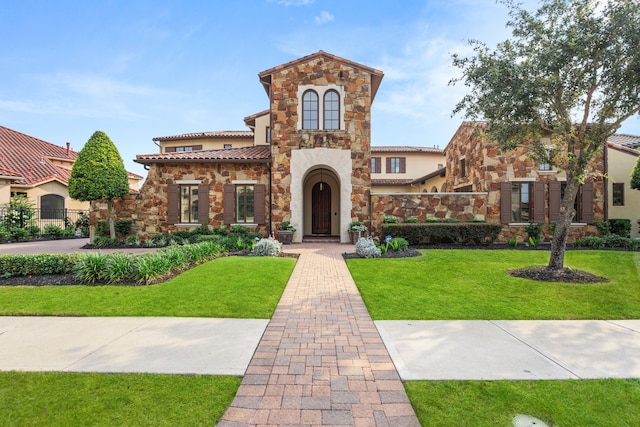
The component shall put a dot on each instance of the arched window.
(52, 207)
(331, 110)
(310, 110)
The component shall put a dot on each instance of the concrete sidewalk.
(421, 350)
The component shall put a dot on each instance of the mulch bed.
(567, 275)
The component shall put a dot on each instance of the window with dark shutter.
(203, 204)
(538, 202)
(260, 200)
(376, 165)
(229, 203)
(586, 205)
(173, 204)
(505, 202)
(555, 196)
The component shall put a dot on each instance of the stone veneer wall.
(286, 138)
(148, 208)
(487, 166)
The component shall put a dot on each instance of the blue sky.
(137, 69)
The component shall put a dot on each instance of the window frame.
(521, 208)
(396, 165)
(49, 212)
(313, 122)
(617, 199)
(245, 205)
(376, 165)
(331, 123)
(193, 205)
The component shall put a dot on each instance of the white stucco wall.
(306, 160)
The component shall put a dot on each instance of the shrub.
(239, 229)
(91, 268)
(366, 248)
(604, 228)
(106, 242)
(34, 230)
(534, 232)
(621, 227)
(411, 220)
(267, 247)
(436, 233)
(390, 220)
(399, 244)
(593, 241)
(357, 226)
(26, 265)
(54, 231)
(82, 224)
(150, 267)
(19, 234)
(119, 268)
(123, 227)
(102, 228)
(132, 241)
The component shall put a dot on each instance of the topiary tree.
(99, 173)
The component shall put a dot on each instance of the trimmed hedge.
(25, 265)
(464, 233)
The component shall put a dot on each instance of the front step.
(321, 239)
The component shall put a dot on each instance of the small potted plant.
(285, 233)
(356, 230)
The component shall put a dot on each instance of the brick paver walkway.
(321, 360)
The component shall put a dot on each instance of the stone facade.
(353, 82)
(148, 208)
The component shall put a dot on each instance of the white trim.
(188, 181)
(522, 179)
(244, 181)
(320, 90)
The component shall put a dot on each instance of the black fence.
(36, 220)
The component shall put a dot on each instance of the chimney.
(68, 149)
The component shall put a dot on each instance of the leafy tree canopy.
(571, 71)
(98, 172)
(561, 86)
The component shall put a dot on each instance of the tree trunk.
(112, 226)
(563, 224)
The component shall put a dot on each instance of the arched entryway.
(321, 209)
(334, 168)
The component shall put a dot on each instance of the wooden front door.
(321, 208)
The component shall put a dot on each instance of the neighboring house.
(40, 171)
(407, 169)
(623, 201)
(306, 159)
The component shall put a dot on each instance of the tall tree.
(570, 71)
(635, 176)
(99, 173)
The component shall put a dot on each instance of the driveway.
(61, 247)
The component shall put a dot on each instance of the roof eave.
(153, 161)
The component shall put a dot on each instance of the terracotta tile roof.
(632, 141)
(202, 135)
(404, 149)
(251, 120)
(4, 172)
(257, 154)
(623, 148)
(29, 157)
(376, 75)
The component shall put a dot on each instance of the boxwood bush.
(25, 265)
(462, 233)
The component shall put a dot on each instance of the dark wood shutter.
(203, 204)
(229, 204)
(587, 214)
(505, 202)
(538, 202)
(555, 195)
(403, 165)
(173, 204)
(170, 149)
(259, 202)
(388, 161)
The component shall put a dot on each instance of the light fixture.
(320, 179)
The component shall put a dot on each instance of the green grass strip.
(227, 287)
(568, 403)
(74, 399)
(475, 285)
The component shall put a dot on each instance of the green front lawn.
(474, 284)
(569, 403)
(227, 287)
(73, 399)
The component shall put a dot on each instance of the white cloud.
(324, 17)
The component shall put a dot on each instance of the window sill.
(187, 224)
(552, 172)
